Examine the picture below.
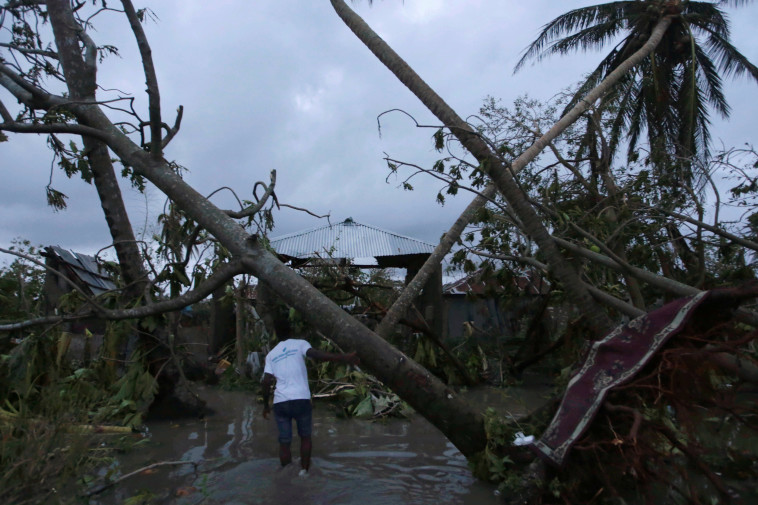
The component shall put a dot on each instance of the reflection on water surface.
(370, 463)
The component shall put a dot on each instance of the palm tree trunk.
(489, 161)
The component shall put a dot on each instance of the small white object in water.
(522, 439)
(303, 473)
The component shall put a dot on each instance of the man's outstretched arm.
(266, 386)
(351, 358)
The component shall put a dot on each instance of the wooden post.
(240, 347)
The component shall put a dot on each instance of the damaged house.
(89, 276)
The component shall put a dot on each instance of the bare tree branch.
(305, 210)
(571, 168)
(234, 194)
(254, 209)
(27, 93)
(90, 57)
(616, 303)
(219, 277)
(112, 483)
(7, 80)
(73, 129)
(171, 132)
(153, 92)
(600, 295)
(660, 282)
(713, 229)
(42, 321)
(527, 260)
(13, 4)
(664, 283)
(5, 114)
(26, 50)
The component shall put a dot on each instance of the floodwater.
(354, 461)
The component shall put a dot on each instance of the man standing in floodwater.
(285, 364)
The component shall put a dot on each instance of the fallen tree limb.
(81, 429)
(107, 485)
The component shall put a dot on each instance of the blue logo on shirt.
(284, 355)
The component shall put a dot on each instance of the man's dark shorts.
(285, 412)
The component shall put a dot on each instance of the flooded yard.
(354, 461)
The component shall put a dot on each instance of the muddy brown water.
(354, 461)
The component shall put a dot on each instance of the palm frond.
(730, 61)
(693, 142)
(633, 117)
(706, 15)
(620, 101)
(588, 38)
(575, 20)
(668, 95)
(734, 3)
(712, 83)
(688, 102)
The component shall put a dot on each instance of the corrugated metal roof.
(86, 268)
(348, 239)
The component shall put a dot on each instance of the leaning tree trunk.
(111, 200)
(412, 290)
(80, 68)
(80, 72)
(491, 163)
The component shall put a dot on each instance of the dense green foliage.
(21, 284)
(51, 407)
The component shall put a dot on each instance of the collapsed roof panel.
(84, 267)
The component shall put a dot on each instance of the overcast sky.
(285, 85)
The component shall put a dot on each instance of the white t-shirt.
(286, 362)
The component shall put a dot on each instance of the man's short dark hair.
(282, 327)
